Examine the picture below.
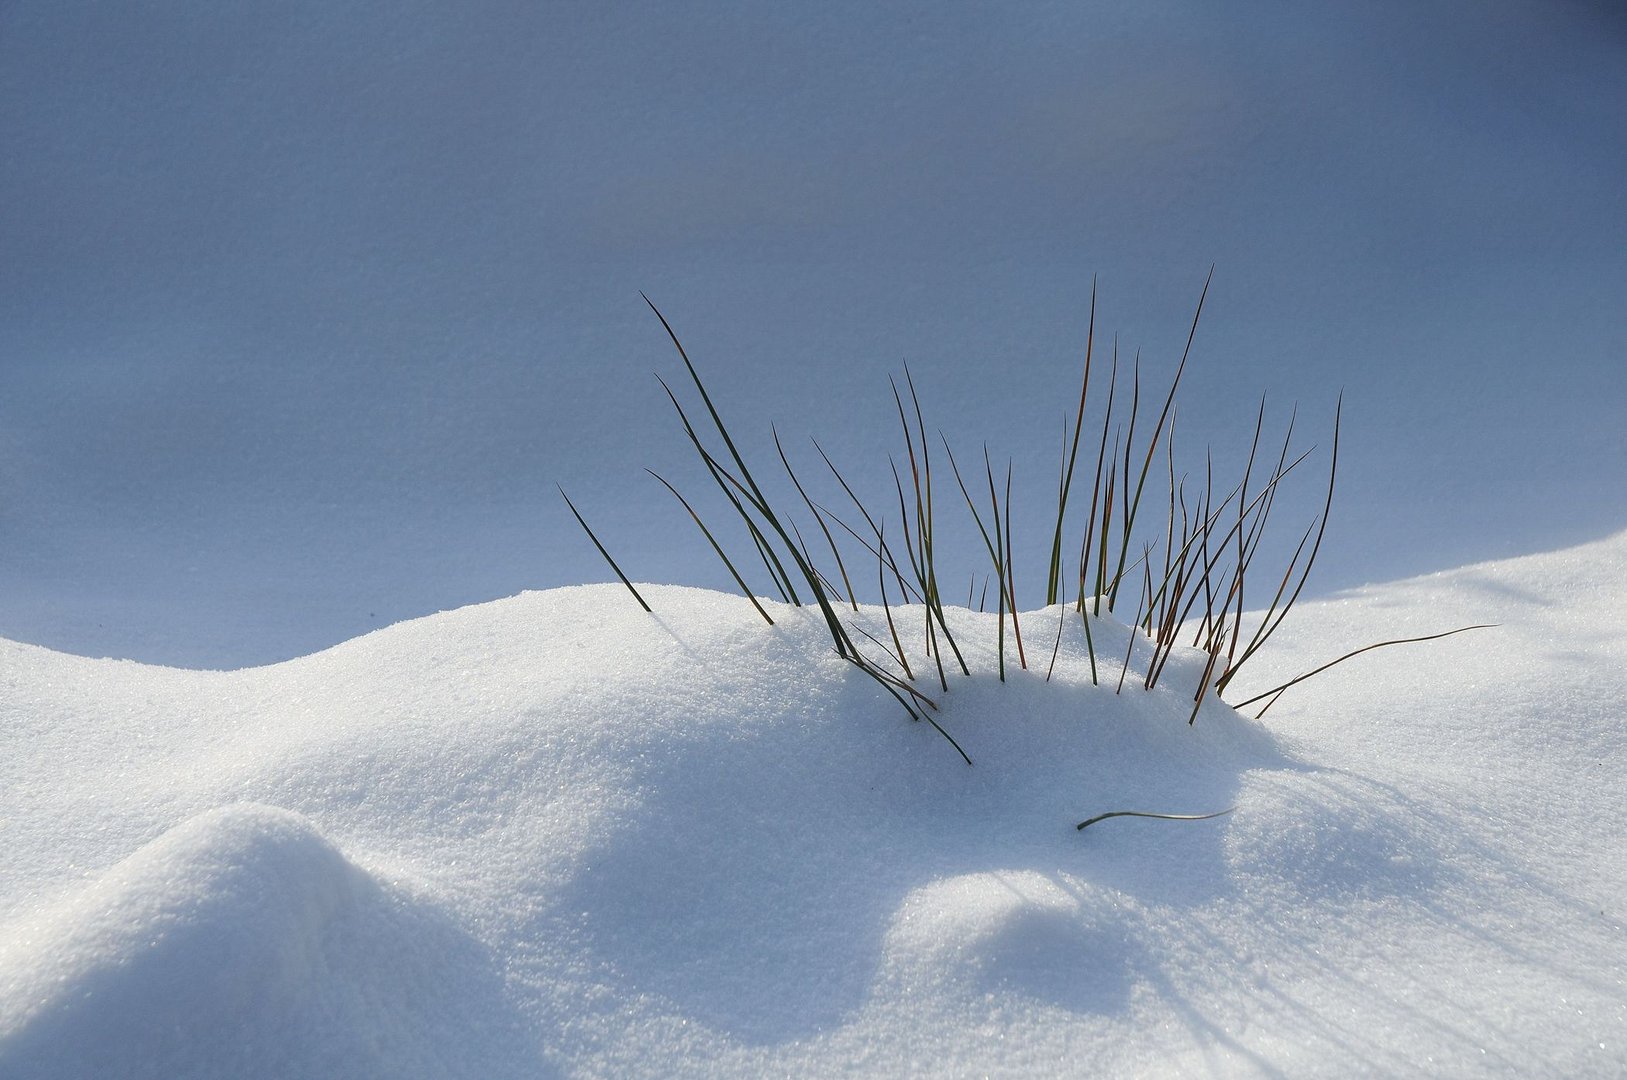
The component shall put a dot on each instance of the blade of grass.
(881, 581)
(920, 575)
(1011, 577)
(1054, 579)
(1268, 628)
(1086, 547)
(880, 551)
(1133, 626)
(925, 531)
(1152, 446)
(1056, 645)
(580, 521)
(992, 545)
(818, 519)
(874, 530)
(1124, 486)
(1277, 690)
(729, 485)
(1160, 817)
(899, 690)
(1205, 526)
(1242, 540)
(837, 632)
(740, 581)
(1107, 522)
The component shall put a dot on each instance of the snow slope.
(552, 835)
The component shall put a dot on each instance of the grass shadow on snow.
(789, 849)
(791, 839)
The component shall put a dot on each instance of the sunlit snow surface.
(553, 835)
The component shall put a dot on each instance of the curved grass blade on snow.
(753, 494)
(1203, 527)
(1107, 521)
(1277, 691)
(1134, 625)
(899, 689)
(999, 561)
(882, 645)
(1056, 646)
(1160, 817)
(715, 546)
(728, 484)
(758, 500)
(1090, 644)
(807, 560)
(1236, 587)
(1268, 627)
(892, 564)
(835, 552)
(920, 576)
(880, 551)
(602, 550)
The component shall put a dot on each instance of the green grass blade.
(729, 484)
(740, 581)
(1054, 579)
(818, 519)
(1268, 628)
(1152, 446)
(580, 521)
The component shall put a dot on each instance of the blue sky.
(306, 308)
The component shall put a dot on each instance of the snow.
(306, 308)
(553, 835)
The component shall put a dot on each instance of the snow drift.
(555, 835)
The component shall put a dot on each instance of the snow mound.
(241, 912)
(1025, 934)
(223, 915)
(554, 834)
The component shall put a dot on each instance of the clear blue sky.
(304, 308)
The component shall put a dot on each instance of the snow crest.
(242, 929)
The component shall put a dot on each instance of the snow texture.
(552, 835)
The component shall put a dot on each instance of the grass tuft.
(1192, 575)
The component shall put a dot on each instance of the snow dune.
(552, 835)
